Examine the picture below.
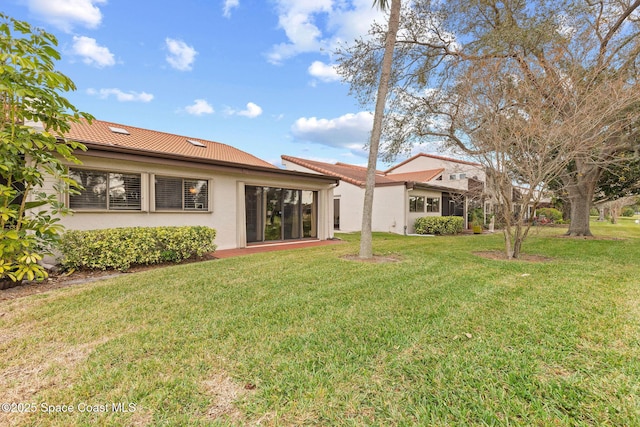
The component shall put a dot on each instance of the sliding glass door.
(291, 214)
(274, 214)
(309, 213)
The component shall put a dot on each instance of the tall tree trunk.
(517, 245)
(508, 243)
(519, 234)
(615, 214)
(580, 187)
(366, 246)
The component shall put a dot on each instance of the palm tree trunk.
(366, 247)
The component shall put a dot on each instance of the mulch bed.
(377, 259)
(564, 236)
(63, 280)
(502, 256)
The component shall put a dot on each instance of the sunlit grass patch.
(440, 337)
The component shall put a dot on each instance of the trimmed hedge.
(120, 248)
(439, 225)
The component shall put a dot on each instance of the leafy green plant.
(628, 212)
(476, 220)
(439, 225)
(120, 248)
(553, 215)
(33, 115)
(475, 216)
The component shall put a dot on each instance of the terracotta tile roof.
(419, 176)
(357, 174)
(432, 156)
(379, 172)
(352, 174)
(100, 132)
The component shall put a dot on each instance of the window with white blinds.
(181, 194)
(168, 193)
(106, 190)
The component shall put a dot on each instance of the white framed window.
(452, 177)
(433, 204)
(186, 194)
(462, 176)
(416, 203)
(106, 190)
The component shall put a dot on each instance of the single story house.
(140, 177)
(400, 196)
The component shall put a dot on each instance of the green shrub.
(439, 225)
(554, 215)
(628, 212)
(120, 248)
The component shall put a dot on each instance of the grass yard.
(304, 337)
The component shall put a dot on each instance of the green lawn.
(304, 337)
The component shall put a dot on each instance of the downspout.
(407, 186)
(466, 212)
(329, 211)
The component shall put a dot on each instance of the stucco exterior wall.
(351, 202)
(226, 200)
(450, 168)
(389, 207)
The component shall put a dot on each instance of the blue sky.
(253, 74)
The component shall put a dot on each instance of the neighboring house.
(464, 175)
(400, 197)
(456, 173)
(140, 177)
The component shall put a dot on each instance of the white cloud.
(92, 53)
(324, 72)
(348, 131)
(319, 25)
(297, 19)
(350, 23)
(228, 5)
(120, 95)
(65, 14)
(181, 55)
(199, 107)
(252, 111)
